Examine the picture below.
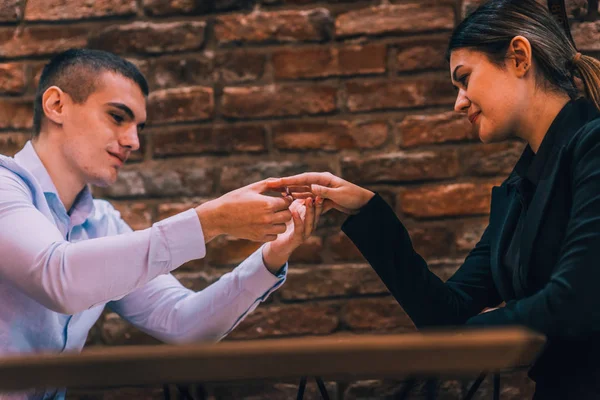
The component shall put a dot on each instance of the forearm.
(173, 314)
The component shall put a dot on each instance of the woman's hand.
(305, 216)
(338, 193)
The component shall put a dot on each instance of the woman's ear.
(520, 55)
(53, 102)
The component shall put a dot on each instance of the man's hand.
(305, 217)
(338, 193)
(246, 213)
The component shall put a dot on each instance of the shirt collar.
(571, 117)
(84, 202)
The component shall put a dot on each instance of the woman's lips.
(474, 117)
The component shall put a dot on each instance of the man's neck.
(67, 182)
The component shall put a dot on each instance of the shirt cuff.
(257, 279)
(184, 237)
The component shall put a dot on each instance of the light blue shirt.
(58, 270)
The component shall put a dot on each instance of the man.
(64, 255)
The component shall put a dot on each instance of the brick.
(331, 281)
(16, 114)
(209, 139)
(304, 319)
(166, 210)
(191, 7)
(55, 10)
(118, 332)
(239, 67)
(586, 35)
(422, 55)
(11, 10)
(447, 200)
(308, 252)
(181, 104)
(376, 315)
(278, 26)
(12, 78)
(329, 135)
(41, 40)
(238, 175)
(382, 95)
(402, 167)
(425, 129)
(151, 38)
(137, 215)
(227, 250)
(491, 159)
(575, 8)
(200, 280)
(342, 249)
(432, 241)
(180, 71)
(468, 233)
(271, 391)
(329, 61)
(12, 142)
(182, 177)
(399, 18)
(277, 100)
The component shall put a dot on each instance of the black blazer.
(556, 287)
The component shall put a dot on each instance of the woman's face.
(492, 98)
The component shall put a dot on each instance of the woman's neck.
(541, 113)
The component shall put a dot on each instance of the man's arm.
(72, 277)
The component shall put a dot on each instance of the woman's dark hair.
(491, 28)
(76, 72)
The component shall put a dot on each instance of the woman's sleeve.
(385, 243)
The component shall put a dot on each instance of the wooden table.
(441, 353)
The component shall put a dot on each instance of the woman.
(515, 72)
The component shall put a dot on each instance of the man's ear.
(53, 102)
(520, 55)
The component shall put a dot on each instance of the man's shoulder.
(14, 177)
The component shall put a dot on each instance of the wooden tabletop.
(442, 353)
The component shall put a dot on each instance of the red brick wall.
(243, 90)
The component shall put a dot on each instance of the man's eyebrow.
(124, 108)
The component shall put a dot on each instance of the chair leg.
(406, 389)
(322, 388)
(301, 388)
(496, 386)
(474, 387)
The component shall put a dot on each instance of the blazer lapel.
(502, 213)
(535, 213)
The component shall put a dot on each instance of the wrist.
(274, 257)
(366, 197)
(208, 214)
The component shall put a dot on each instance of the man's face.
(99, 135)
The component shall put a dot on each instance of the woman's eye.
(118, 119)
(464, 80)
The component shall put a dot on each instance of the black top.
(553, 287)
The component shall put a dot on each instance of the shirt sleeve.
(168, 311)
(72, 277)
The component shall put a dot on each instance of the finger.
(298, 225)
(266, 185)
(279, 203)
(318, 210)
(308, 178)
(323, 191)
(282, 217)
(309, 220)
(277, 229)
(269, 238)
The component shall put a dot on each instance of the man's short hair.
(76, 72)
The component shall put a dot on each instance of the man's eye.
(118, 119)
